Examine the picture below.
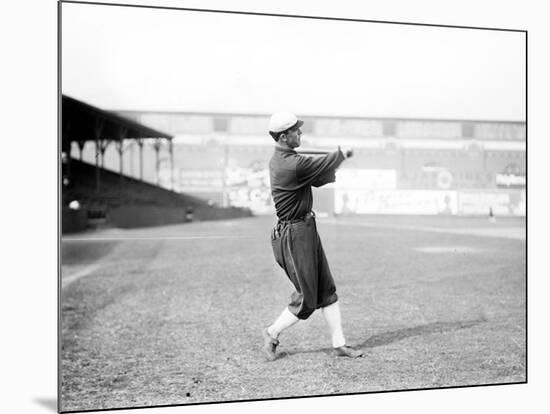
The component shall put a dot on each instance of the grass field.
(173, 315)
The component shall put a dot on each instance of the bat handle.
(313, 152)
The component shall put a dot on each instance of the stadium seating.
(116, 190)
(124, 201)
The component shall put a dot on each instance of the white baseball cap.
(281, 121)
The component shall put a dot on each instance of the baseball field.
(173, 315)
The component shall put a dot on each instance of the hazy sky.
(146, 59)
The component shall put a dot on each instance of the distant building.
(223, 157)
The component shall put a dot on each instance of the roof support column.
(98, 128)
(97, 173)
(104, 143)
(140, 143)
(120, 148)
(68, 172)
(65, 154)
(171, 148)
(156, 146)
(81, 145)
(131, 157)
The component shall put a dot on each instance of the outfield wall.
(379, 191)
(333, 200)
(429, 202)
(362, 191)
(375, 194)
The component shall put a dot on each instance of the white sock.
(285, 320)
(334, 322)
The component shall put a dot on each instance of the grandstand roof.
(83, 122)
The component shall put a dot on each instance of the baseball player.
(296, 244)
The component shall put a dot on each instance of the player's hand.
(348, 152)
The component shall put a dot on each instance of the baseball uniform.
(296, 244)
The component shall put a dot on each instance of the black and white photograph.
(261, 206)
(275, 207)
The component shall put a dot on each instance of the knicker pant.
(298, 250)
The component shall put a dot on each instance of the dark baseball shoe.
(346, 351)
(270, 345)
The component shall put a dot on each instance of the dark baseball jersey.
(296, 244)
(292, 176)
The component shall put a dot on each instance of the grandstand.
(401, 165)
(94, 196)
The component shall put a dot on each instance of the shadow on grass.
(386, 338)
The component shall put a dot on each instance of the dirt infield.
(173, 315)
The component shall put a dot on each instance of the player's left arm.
(327, 178)
(318, 171)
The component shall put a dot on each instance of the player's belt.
(276, 231)
(305, 217)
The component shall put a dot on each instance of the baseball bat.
(313, 152)
(349, 153)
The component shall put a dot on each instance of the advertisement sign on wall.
(500, 202)
(193, 180)
(422, 202)
(430, 202)
(366, 179)
(510, 180)
(256, 199)
(512, 176)
(249, 187)
(245, 187)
